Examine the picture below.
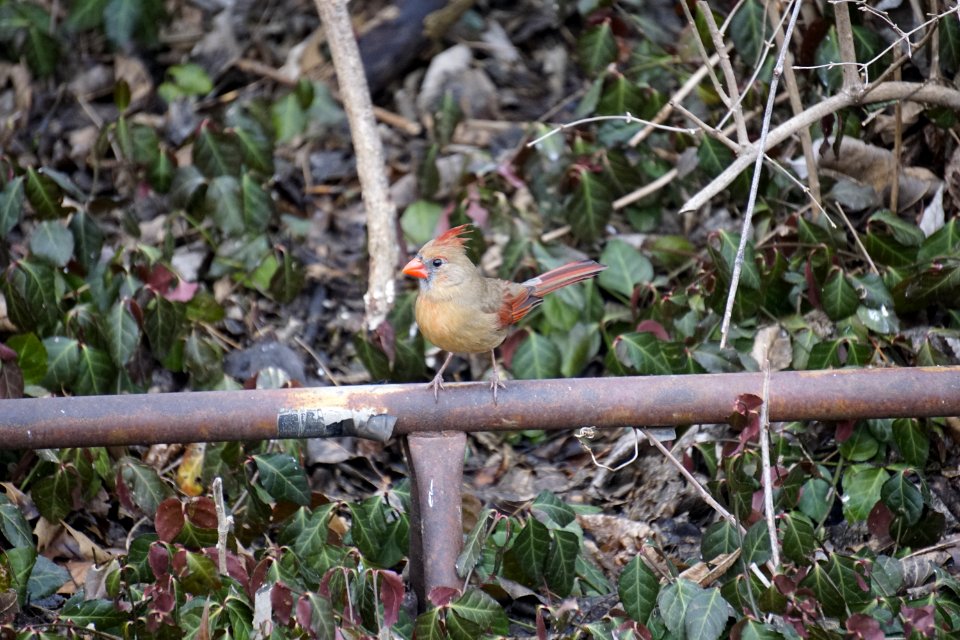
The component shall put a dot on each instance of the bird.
(461, 311)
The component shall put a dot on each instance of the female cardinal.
(461, 311)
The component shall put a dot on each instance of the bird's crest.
(453, 237)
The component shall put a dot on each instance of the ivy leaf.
(902, 498)
(749, 31)
(861, 490)
(597, 48)
(591, 205)
(838, 297)
(706, 616)
(257, 205)
(224, 204)
(283, 477)
(95, 372)
(44, 195)
(756, 544)
(11, 205)
(52, 241)
(911, 441)
(537, 358)
(561, 562)
(638, 587)
(87, 239)
(216, 153)
(626, 268)
(797, 536)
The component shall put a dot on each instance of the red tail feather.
(563, 276)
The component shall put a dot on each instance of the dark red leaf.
(391, 594)
(169, 520)
(281, 600)
(159, 560)
(919, 619)
(654, 327)
(863, 626)
(441, 596)
(202, 512)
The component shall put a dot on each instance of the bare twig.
(767, 474)
(755, 185)
(856, 238)
(224, 523)
(732, 89)
(382, 241)
(848, 57)
(914, 91)
(627, 119)
(806, 142)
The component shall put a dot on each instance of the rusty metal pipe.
(435, 461)
(379, 411)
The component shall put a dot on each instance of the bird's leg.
(495, 378)
(437, 383)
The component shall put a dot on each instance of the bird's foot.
(496, 383)
(436, 384)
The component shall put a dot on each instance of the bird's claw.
(436, 384)
(496, 383)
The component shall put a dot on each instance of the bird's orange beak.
(416, 268)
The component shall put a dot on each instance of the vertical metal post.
(436, 523)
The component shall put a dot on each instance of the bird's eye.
(436, 262)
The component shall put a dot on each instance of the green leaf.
(147, 489)
(797, 537)
(87, 239)
(644, 352)
(253, 138)
(44, 195)
(861, 490)
(749, 32)
(52, 241)
(838, 297)
(11, 205)
(561, 562)
(578, 347)
(911, 441)
(756, 547)
(673, 601)
(481, 609)
(713, 157)
(948, 31)
(53, 494)
(287, 281)
(886, 576)
(162, 324)
(31, 357)
(95, 372)
(46, 578)
(621, 96)
(121, 18)
(85, 15)
(102, 615)
(32, 295)
(597, 48)
(63, 359)
(419, 221)
(283, 477)
(626, 268)
(720, 538)
(939, 284)
(122, 333)
(706, 615)
(473, 545)
(530, 548)
(224, 204)
(861, 446)
(289, 118)
(537, 357)
(723, 249)
(944, 243)
(825, 591)
(638, 587)
(848, 575)
(14, 526)
(42, 51)
(216, 153)
(188, 188)
(902, 498)
(552, 511)
(591, 205)
(257, 205)
(815, 499)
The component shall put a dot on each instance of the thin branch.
(755, 186)
(732, 89)
(224, 523)
(382, 242)
(703, 55)
(626, 118)
(765, 460)
(916, 92)
(848, 57)
(692, 82)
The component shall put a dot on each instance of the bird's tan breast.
(457, 324)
